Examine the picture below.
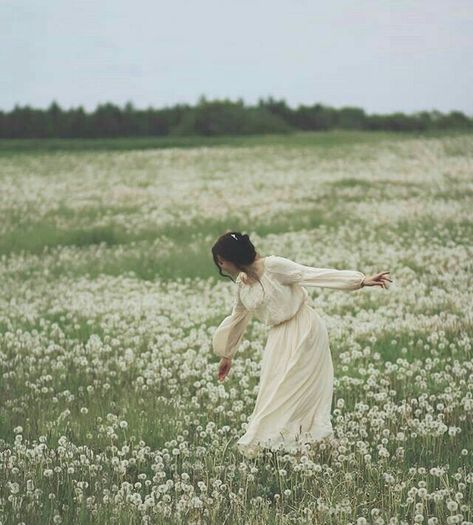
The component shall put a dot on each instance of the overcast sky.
(381, 55)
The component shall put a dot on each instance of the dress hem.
(291, 445)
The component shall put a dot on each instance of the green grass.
(33, 238)
(325, 139)
(190, 255)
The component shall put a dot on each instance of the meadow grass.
(325, 139)
(110, 410)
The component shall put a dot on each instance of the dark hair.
(239, 250)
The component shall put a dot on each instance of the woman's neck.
(256, 267)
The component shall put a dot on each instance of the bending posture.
(294, 398)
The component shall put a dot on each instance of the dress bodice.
(271, 301)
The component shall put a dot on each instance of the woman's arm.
(289, 272)
(229, 334)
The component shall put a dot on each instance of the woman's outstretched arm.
(289, 272)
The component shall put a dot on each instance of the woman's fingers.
(380, 282)
(383, 276)
(379, 279)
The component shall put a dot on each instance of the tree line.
(213, 118)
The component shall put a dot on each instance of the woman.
(296, 385)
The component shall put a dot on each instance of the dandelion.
(452, 506)
(14, 487)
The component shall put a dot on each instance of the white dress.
(294, 397)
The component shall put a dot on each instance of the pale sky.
(380, 55)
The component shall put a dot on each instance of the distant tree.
(54, 120)
(351, 118)
(76, 123)
(314, 118)
(222, 117)
(107, 121)
(276, 107)
(455, 120)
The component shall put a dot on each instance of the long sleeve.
(289, 272)
(229, 334)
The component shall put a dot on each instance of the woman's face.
(227, 266)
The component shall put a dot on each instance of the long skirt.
(293, 404)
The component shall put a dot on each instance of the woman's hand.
(378, 279)
(224, 367)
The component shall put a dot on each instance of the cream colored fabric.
(294, 398)
(229, 334)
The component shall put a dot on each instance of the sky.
(380, 55)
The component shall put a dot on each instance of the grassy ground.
(110, 411)
(325, 139)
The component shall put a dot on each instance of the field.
(110, 408)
